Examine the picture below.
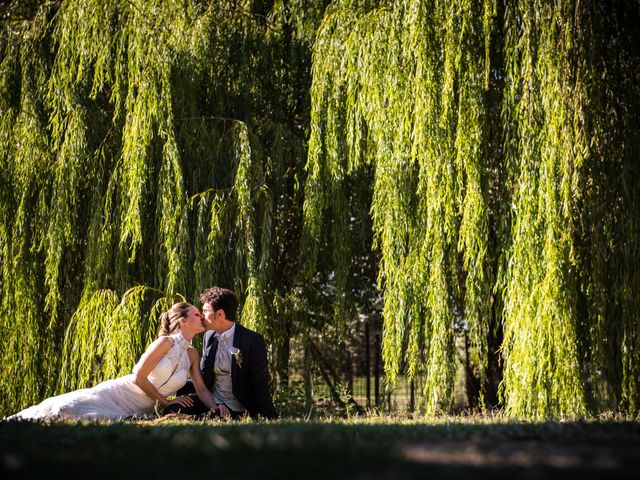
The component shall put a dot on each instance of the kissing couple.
(230, 381)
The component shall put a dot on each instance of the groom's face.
(212, 318)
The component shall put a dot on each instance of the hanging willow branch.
(542, 375)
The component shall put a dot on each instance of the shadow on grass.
(341, 449)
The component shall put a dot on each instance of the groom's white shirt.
(222, 387)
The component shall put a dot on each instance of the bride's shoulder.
(160, 346)
(192, 351)
(194, 356)
(164, 341)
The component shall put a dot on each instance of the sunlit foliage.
(504, 145)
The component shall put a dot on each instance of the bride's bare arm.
(198, 383)
(147, 363)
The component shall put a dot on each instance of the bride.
(160, 372)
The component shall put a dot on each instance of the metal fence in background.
(357, 371)
(354, 371)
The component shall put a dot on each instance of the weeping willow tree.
(149, 149)
(479, 156)
(503, 144)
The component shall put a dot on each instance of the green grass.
(374, 447)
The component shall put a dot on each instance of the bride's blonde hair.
(170, 320)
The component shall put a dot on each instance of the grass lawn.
(369, 447)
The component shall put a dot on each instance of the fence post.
(412, 398)
(349, 371)
(367, 361)
(376, 369)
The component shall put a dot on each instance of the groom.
(234, 362)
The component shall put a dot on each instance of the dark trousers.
(199, 409)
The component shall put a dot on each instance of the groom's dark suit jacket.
(250, 381)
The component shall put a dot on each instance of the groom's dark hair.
(221, 298)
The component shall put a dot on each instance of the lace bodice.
(172, 370)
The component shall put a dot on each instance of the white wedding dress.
(120, 397)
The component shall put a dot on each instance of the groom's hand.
(224, 411)
(182, 401)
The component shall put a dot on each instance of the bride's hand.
(182, 401)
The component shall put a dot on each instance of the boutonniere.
(237, 354)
